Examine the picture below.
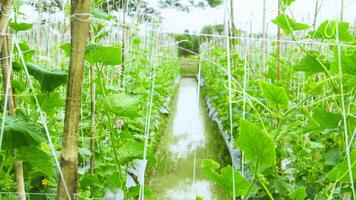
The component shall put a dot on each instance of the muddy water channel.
(188, 135)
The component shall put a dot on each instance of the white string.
(227, 20)
(344, 112)
(305, 42)
(42, 117)
(244, 105)
(148, 117)
(198, 104)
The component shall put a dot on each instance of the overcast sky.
(250, 11)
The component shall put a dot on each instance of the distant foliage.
(214, 3)
(188, 44)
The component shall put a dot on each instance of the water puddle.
(188, 134)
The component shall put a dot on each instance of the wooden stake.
(69, 157)
(11, 107)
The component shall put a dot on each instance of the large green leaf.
(257, 145)
(328, 30)
(325, 119)
(224, 177)
(135, 191)
(130, 151)
(39, 159)
(348, 60)
(288, 25)
(20, 26)
(123, 105)
(341, 171)
(50, 103)
(310, 64)
(18, 132)
(275, 95)
(49, 80)
(106, 55)
(299, 194)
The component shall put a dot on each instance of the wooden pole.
(11, 106)
(4, 19)
(69, 158)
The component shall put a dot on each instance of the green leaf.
(341, 171)
(288, 25)
(348, 60)
(130, 151)
(106, 55)
(224, 177)
(257, 145)
(114, 180)
(328, 31)
(50, 103)
(84, 152)
(299, 194)
(26, 51)
(98, 54)
(37, 158)
(310, 64)
(135, 191)
(325, 119)
(49, 80)
(123, 105)
(18, 132)
(214, 3)
(275, 95)
(66, 48)
(17, 27)
(287, 2)
(89, 180)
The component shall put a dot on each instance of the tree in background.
(187, 44)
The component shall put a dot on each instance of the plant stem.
(92, 118)
(266, 189)
(252, 182)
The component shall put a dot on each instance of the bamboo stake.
(11, 105)
(316, 11)
(5, 16)
(69, 157)
(123, 43)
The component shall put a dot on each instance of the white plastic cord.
(198, 104)
(244, 106)
(148, 117)
(42, 117)
(349, 165)
(229, 86)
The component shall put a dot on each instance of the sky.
(249, 12)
